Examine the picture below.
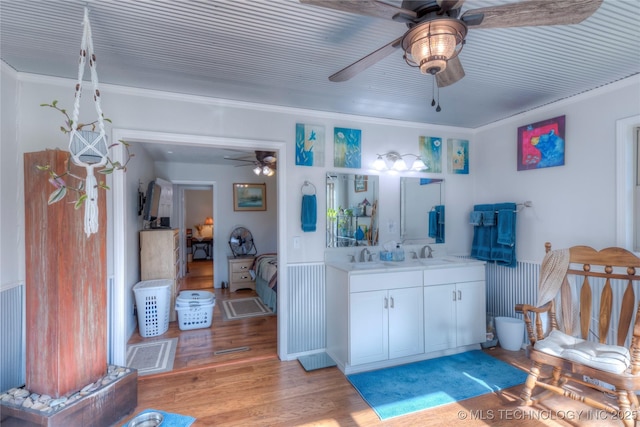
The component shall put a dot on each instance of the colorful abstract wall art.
(347, 150)
(430, 149)
(541, 145)
(309, 145)
(458, 154)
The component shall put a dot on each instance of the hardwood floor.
(255, 388)
(198, 347)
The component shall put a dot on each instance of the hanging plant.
(87, 147)
(67, 181)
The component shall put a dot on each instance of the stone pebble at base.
(23, 398)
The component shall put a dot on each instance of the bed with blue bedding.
(265, 272)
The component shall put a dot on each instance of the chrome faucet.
(424, 248)
(364, 257)
(414, 255)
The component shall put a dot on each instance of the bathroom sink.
(437, 261)
(367, 265)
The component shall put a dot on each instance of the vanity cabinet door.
(439, 317)
(368, 327)
(406, 322)
(470, 313)
(454, 315)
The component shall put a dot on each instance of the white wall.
(574, 204)
(11, 184)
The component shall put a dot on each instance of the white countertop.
(408, 264)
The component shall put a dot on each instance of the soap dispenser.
(398, 254)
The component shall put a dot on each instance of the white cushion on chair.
(610, 358)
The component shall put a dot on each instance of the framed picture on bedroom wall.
(249, 197)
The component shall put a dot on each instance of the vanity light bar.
(397, 162)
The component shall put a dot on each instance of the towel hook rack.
(308, 184)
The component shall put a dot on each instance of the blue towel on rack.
(504, 231)
(309, 212)
(489, 218)
(481, 245)
(433, 224)
(440, 224)
(475, 218)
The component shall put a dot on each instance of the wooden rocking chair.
(573, 358)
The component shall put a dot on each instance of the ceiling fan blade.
(366, 62)
(451, 74)
(531, 13)
(373, 8)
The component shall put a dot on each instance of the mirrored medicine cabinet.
(352, 202)
(418, 196)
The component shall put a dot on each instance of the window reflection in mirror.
(352, 202)
(418, 196)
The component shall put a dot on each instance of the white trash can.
(510, 333)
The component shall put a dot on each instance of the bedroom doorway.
(125, 231)
(198, 245)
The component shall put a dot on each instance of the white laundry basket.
(510, 333)
(153, 302)
(195, 309)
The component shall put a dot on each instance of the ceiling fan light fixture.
(257, 170)
(431, 44)
(267, 171)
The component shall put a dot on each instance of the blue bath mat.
(404, 389)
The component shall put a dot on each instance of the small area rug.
(243, 308)
(405, 389)
(311, 362)
(169, 420)
(152, 357)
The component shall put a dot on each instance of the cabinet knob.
(454, 295)
(386, 302)
(460, 295)
(391, 302)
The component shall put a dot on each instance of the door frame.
(201, 186)
(117, 228)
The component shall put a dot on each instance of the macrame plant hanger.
(88, 148)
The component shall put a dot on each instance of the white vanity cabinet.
(374, 316)
(455, 307)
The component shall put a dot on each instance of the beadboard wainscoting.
(12, 337)
(306, 303)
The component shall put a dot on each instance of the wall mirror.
(352, 202)
(418, 197)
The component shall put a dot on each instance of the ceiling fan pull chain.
(438, 109)
(433, 96)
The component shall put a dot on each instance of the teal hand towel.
(433, 224)
(506, 229)
(309, 212)
(440, 226)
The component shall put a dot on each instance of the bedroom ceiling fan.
(265, 162)
(437, 29)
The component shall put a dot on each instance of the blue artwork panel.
(431, 153)
(309, 145)
(347, 150)
(458, 153)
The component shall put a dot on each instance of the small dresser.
(239, 276)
